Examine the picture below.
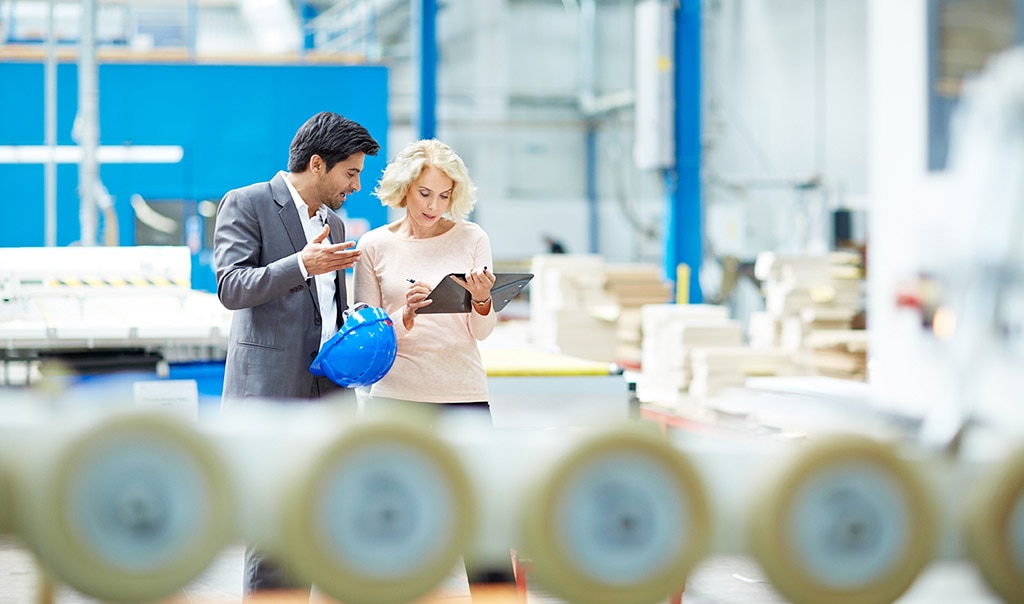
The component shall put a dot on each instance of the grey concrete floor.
(717, 580)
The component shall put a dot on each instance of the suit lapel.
(286, 210)
(292, 226)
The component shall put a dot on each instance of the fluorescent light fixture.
(110, 154)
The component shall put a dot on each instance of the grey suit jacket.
(275, 328)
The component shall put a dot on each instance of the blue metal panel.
(22, 108)
(234, 122)
(684, 212)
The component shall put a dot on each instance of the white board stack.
(670, 331)
(583, 307)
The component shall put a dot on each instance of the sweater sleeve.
(366, 289)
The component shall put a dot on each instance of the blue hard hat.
(362, 351)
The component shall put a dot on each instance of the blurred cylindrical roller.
(124, 506)
(843, 521)
(994, 526)
(620, 518)
(22, 414)
(6, 523)
(379, 515)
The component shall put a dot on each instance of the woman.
(438, 361)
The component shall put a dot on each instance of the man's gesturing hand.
(319, 257)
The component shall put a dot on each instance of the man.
(280, 255)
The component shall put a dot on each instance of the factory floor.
(718, 580)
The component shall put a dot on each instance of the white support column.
(903, 196)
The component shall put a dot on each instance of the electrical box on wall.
(654, 146)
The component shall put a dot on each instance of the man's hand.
(319, 257)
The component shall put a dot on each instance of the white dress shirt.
(324, 283)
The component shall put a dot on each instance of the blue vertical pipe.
(192, 25)
(938, 108)
(302, 11)
(9, 19)
(588, 90)
(1019, 5)
(427, 49)
(591, 186)
(684, 233)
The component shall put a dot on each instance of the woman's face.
(428, 198)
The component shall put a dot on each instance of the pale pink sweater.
(438, 360)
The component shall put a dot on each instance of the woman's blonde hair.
(410, 163)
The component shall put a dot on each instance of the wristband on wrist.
(482, 302)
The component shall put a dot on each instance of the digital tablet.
(450, 297)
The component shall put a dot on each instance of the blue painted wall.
(235, 123)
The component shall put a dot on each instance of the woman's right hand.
(415, 299)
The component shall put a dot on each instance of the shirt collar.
(301, 205)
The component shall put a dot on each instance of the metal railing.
(348, 27)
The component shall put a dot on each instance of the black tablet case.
(450, 297)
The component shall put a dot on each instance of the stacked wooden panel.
(811, 306)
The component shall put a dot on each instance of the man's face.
(334, 187)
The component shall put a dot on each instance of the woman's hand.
(415, 299)
(478, 283)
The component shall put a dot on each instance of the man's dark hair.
(332, 137)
